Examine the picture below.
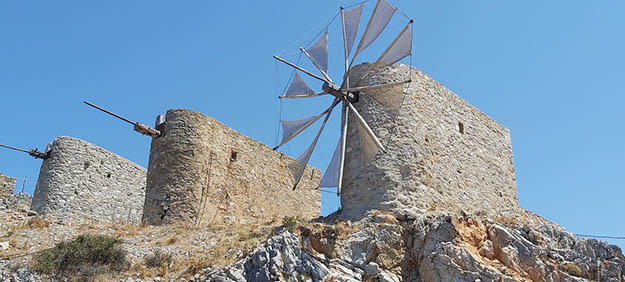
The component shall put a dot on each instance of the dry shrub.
(158, 259)
(572, 269)
(290, 222)
(37, 223)
(172, 240)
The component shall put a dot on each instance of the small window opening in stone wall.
(233, 155)
(461, 127)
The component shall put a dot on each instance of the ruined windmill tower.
(441, 152)
(203, 172)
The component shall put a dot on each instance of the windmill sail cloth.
(383, 14)
(368, 147)
(352, 20)
(299, 165)
(298, 87)
(319, 52)
(331, 175)
(401, 48)
(290, 128)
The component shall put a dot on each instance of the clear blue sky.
(550, 71)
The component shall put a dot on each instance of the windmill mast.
(33, 152)
(138, 127)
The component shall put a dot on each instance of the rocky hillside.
(429, 247)
(434, 246)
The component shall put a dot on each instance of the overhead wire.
(601, 236)
(397, 9)
(354, 5)
(332, 18)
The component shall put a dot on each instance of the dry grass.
(507, 220)
(37, 223)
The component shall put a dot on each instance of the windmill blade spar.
(300, 69)
(303, 96)
(367, 130)
(376, 86)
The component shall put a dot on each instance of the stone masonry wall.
(442, 153)
(7, 185)
(203, 172)
(82, 180)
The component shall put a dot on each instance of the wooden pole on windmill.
(138, 127)
(33, 152)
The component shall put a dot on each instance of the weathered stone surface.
(204, 172)
(446, 248)
(19, 275)
(279, 259)
(7, 185)
(81, 180)
(441, 152)
(16, 202)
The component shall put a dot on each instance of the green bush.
(82, 258)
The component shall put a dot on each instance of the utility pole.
(24, 183)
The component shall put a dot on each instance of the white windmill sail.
(290, 128)
(368, 146)
(331, 175)
(400, 48)
(351, 21)
(382, 14)
(298, 87)
(299, 166)
(319, 53)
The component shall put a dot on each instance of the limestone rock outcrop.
(428, 248)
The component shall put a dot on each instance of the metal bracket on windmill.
(33, 152)
(138, 127)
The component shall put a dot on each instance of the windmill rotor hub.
(337, 92)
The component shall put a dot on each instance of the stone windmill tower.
(406, 141)
(441, 152)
